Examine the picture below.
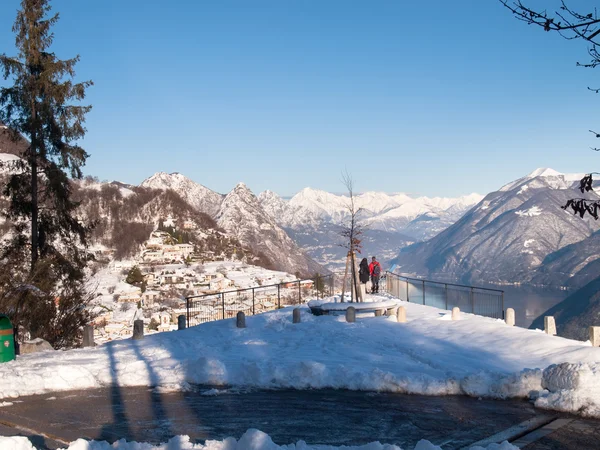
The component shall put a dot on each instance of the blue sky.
(433, 97)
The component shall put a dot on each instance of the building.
(149, 298)
(130, 297)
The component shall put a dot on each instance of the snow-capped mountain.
(507, 237)
(242, 215)
(200, 197)
(379, 210)
(392, 221)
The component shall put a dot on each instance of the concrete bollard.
(595, 336)
(296, 315)
(510, 317)
(240, 320)
(401, 314)
(351, 314)
(88, 336)
(378, 312)
(181, 322)
(138, 329)
(456, 313)
(549, 325)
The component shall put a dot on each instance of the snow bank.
(251, 440)
(428, 354)
(572, 388)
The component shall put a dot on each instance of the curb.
(514, 432)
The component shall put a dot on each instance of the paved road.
(317, 416)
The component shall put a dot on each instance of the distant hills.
(518, 234)
(392, 221)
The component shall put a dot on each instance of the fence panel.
(476, 300)
(255, 300)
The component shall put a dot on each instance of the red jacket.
(372, 265)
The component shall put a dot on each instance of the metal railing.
(254, 300)
(476, 300)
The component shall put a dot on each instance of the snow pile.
(336, 305)
(250, 440)
(428, 354)
(572, 388)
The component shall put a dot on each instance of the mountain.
(242, 215)
(10, 146)
(573, 265)
(124, 217)
(379, 210)
(575, 314)
(200, 197)
(313, 218)
(507, 237)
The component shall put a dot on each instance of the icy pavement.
(329, 417)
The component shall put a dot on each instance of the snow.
(428, 354)
(5, 157)
(523, 189)
(528, 242)
(546, 177)
(312, 206)
(251, 440)
(544, 172)
(336, 305)
(531, 212)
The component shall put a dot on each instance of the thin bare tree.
(352, 233)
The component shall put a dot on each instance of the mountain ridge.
(507, 236)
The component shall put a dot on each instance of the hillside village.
(154, 284)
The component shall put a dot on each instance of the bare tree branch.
(568, 23)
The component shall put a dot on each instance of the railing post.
(187, 307)
(223, 303)
(502, 305)
(317, 285)
(472, 301)
(423, 291)
(279, 296)
(446, 293)
(407, 291)
(299, 293)
(253, 301)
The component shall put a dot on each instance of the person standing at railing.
(375, 271)
(364, 274)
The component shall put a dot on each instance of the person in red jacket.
(375, 271)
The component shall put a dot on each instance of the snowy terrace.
(429, 354)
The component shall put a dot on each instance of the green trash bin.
(7, 340)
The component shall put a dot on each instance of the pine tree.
(43, 105)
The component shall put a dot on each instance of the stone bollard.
(510, 317)
(401, 314)
(138, 329)
(240, 320)
(88, 336)
(181, 322)
(595, 336)
(296, 315)
(351, 314)
(549, 325)
(456, 313)
(378, 313)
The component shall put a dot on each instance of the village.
(154, 287)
